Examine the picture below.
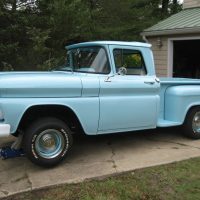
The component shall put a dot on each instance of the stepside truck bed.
(177, 96)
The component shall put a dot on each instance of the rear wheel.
(47, 141)
(192, 123)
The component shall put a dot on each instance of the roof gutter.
(170, 32)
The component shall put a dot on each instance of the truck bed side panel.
(179, 99)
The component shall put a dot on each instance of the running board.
(166, 123)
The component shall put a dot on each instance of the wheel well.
(189, 110)
(61, 112)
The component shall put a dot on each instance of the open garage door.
(186, 59)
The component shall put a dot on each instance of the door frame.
(171, 51)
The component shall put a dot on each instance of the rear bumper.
(4, 130)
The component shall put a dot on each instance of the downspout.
(145, 39)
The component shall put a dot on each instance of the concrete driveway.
(98, 156)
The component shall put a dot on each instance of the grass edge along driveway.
(179, 180)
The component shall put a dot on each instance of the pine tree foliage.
(33, 33)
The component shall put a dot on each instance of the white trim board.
(171, 52)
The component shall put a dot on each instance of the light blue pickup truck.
(104, 87)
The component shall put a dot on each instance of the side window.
(132, 60)
(90, 60)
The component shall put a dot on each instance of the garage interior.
(186, 58)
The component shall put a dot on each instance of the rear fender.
(179, 100)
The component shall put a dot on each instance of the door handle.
(149, 82)
(107, 79)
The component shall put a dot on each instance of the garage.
(176, 43)
(186, 58)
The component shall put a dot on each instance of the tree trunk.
(165, 4)
(14, 5)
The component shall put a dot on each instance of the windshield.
(87, 60)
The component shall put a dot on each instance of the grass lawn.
(173, 181)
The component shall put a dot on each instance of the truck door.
(129, 100)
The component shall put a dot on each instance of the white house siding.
(191, 3)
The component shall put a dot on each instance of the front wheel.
(192, 123)
(47, 141)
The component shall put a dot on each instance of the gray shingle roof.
(187, 20)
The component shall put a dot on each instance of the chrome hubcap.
(49, 143)
(196, 123)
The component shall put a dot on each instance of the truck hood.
(39, 84)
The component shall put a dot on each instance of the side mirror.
(122, 71)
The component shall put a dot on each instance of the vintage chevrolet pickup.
(103, 87)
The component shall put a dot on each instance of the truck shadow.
(175, 132)
(87, 147)
(81, 138)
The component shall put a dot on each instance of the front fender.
(86, 110)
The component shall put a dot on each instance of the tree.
(33, 33)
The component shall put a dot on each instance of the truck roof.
(120, 43)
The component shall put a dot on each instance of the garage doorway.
(186, 58)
